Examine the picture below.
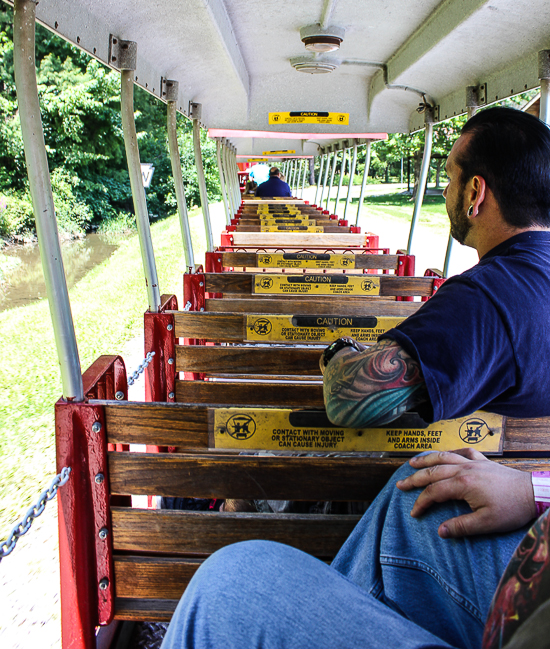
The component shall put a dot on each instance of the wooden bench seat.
(298, 239)
(141, 563)
(367, 261)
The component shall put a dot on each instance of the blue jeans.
(394, 584)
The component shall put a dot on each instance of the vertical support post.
(195, 114)
(429, 127)
(306, 171)
(303, 170)
(228, 178)
(222, 182)
(544, 76)
(236, 185)
(126, 62)
(351, 175)
(321, 165)
(325, 178)
(334, 160)
(42, 199)
(171, 112)
(299, 178)
(292, 175)
(364, 183)
(342, 171)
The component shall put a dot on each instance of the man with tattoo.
(422, 565)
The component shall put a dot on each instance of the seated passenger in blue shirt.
(274, 186)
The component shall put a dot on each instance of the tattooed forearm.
(372, 387)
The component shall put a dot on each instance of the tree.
(80, 107)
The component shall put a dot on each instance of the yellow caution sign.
(291, 228)
(305, 260)
(316, 328)
(314, 284)
(283, 152)
(264, 209)
(310, 430)
(287, 221)
(309, 117)
(256, 160)
(280, 215)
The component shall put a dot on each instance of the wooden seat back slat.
(261, 477)
(287, 395)
(249, 476)
(390, 285)
(297, 306)
(301, 239)
(327, 229)
(186, 427)
(153, 578)
(231, 327)
(248, 360)
(361, 261)
(202, 533)
(146, 610)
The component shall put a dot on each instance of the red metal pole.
(85, 533)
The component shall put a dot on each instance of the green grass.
(107, 306)
(395, 205)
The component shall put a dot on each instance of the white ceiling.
(232, 56)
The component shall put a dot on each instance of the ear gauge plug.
(470, 210)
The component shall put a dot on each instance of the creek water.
(25, 283)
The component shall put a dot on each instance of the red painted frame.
(86, 558)
(439, 280)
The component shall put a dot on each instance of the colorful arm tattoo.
(372, 387)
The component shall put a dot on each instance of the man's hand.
(501, 498)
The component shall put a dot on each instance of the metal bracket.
(195, 110)
(122, 54)
(544, 64)
(476, 96)
(431, 114)
(169, 89)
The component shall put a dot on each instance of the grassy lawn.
(400, 206)
(107, 306)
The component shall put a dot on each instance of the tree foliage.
(80, 106)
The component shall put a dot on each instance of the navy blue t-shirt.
(273, 187)
(483, 340)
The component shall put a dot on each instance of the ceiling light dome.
(313, 66)
(319, 40)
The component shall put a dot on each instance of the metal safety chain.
(8, 546)
(135, 375)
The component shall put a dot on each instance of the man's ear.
(477, 188)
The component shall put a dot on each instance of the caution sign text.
(314, 284)
(305, 260)
(316, 328)
(310, 430)
(309, 117)
(291, 228)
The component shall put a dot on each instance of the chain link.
(135, 376)
(187, 307)
(8, 546)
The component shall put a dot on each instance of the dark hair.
(274, 171)
(510, 149)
